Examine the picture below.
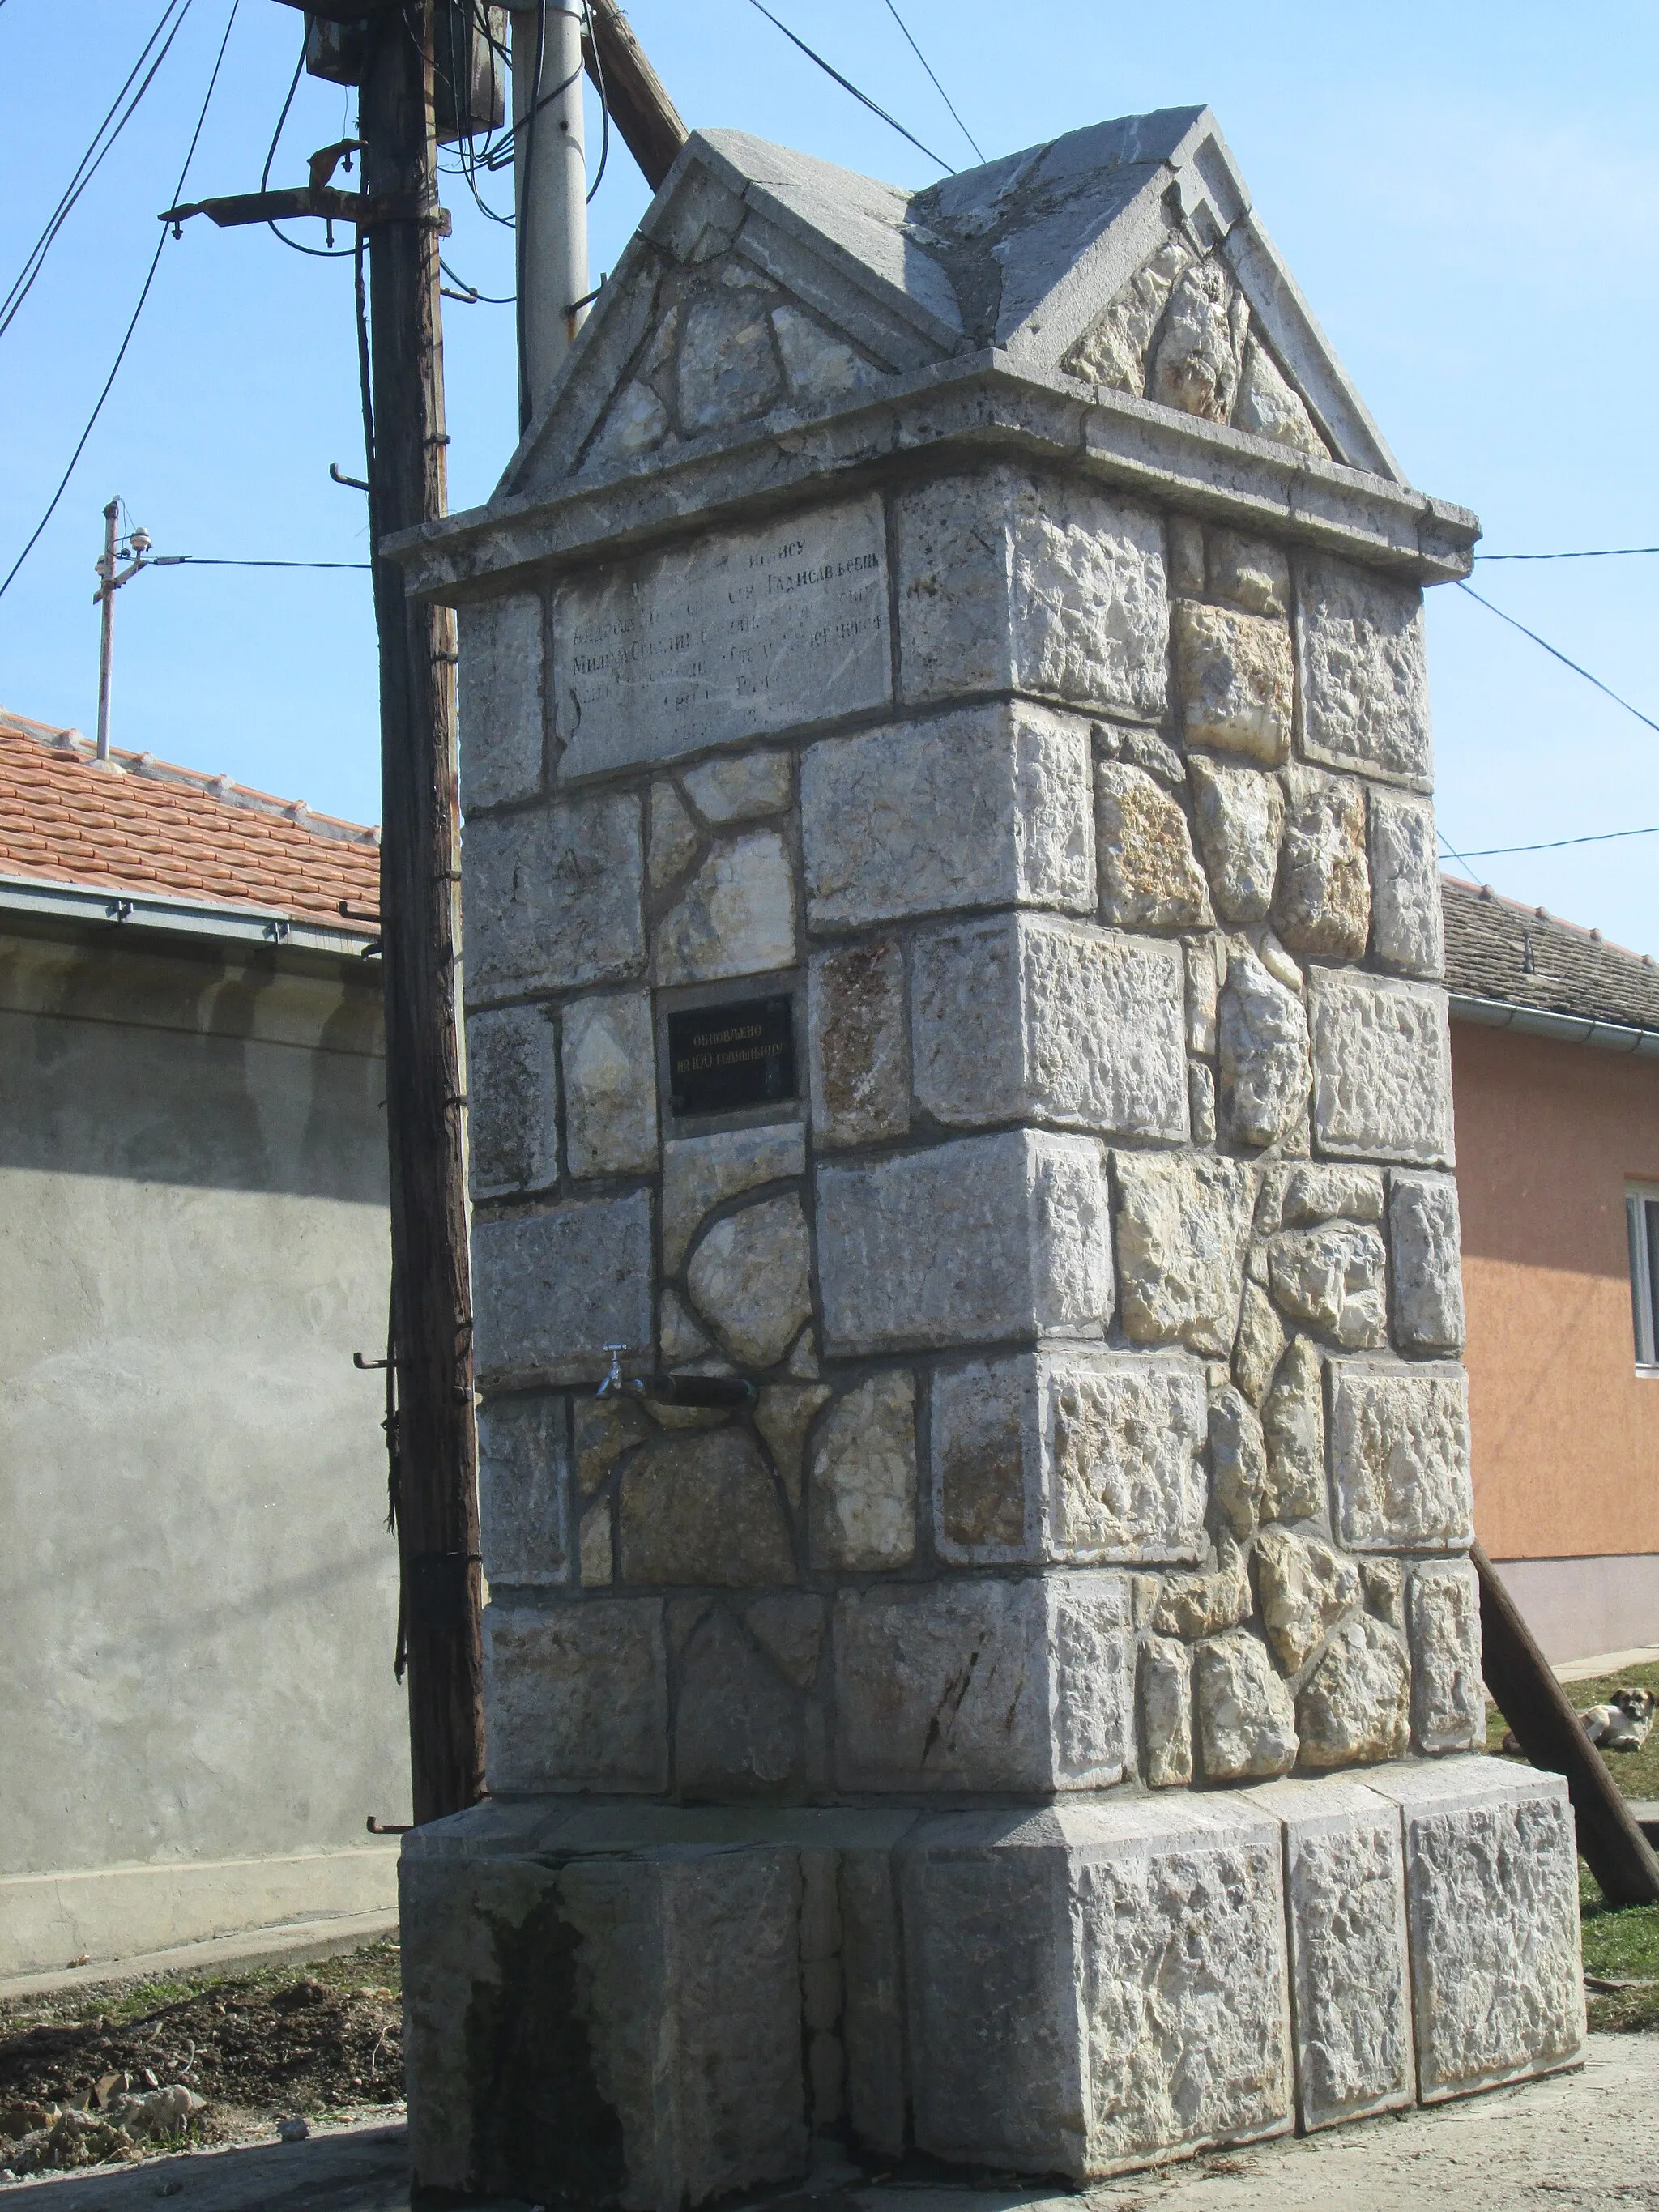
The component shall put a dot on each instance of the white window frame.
(1642, 1232)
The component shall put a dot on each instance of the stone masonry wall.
(1103, 1289)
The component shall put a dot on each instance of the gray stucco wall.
(198, 1595)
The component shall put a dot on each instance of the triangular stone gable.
(764, 286)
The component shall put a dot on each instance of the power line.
(121, 355)
(1557, 656)
(847, 85)
(209, 561)
(1555, 844)
(938, 87)
(1595, 553)
(316, 252)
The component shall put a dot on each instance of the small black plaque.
(721, 1059)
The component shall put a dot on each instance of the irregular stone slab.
(723, 639)
(864, 1477)
(858, 1042)
(1305, 1589)
(1323, 905)
(499, 673)
(737, 786)
(984, 1685)
(987, 1497)
(1355, 1707)
(1166, 1712)
(1250, 574)
(595, 1548)
(1293, 1427)
(752, 1278)
(1492, 1890)
(524, 1483)
(1262, 1031)
(1382, 1067)
(1400, 1456)
(1135, 747)
(609, 1085)
(512, 1125)
(604, 1428)
(783, 1413)
(1201, 1102)
(1205, 962)
(702, 1510)
(1056, 590)
(1200, 347)
(738, 1729)
(1183, 1223)
(1022, 1018)
(576, 1695)
(553, 897)
(703, 1172)
(1267, 405)
(1233, 679)
(819, 369)
(635, 423)
(552, 1290)
(1333, 1279)
(1239, 813)
(990, 806)
(789, 1628)
(1113, 350)
(1345, 1892)
(1259, 1344)
(1238, 1461)
(673, 838)
(986, 1238)
(1428, 1276)
(679, 1337)
(1204, 1604)
(1363, 687)
(1149, 877)
(1385, 1590)
(1246, 1718)
(1408, 927)
(727, 366)
(1315, 1193)
(1449, 1697)
(735, 917)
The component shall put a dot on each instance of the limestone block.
(1246, 1717)
(679, 1337)
(1250, 574)
(1333, 1278)
(1239, 813)
(552, 1290)
(1166, 1712)
(1183, 1223)
(595, 1555)
(1022, 1019)
(576, 1695)
(727, 366)
(553, 897)
(858, 1043)
(1345, 1895)
(672, 842)
(1113, 350)
(513, 1123)
(1267, 405)
(1293, 1425)
(1200, 1101)
(989, 807)
(1262, 1031)
(1400, 1456)
(738, 1729)
(609, 1085)
(1385, 1590)
(1257, 1348)
(752, 1278)
(703, 1172)
(1428, 1277)
(500, 647)
(987, 1498)
(1315, 1192)
(1238, 1461)
(1205, 961)
(984, 1685)
(1202, 343)
(1364, 684)
(1407, 929)
(1492, 1891)
(1204, 1604)
(1382, 1067)
(1233, 680)
(863, 1490)
(1448, 1699)
(635, 423)
(604, 1428)
(1133, 746)
(524, 1485)
(1149, 877)
(735, 917)
(819, 369)
(783, 1413)
(1051, 588)
(1185, 556)
(701, 1510)
(1355, 1707)
(1305, 1589)
(789, 1628)
(985, 1239)
(1323, 905)
(737, 786)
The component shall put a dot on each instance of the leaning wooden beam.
(1548, 1730)
(646, 117)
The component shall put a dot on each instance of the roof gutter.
(1564, 1028)
(138, 913)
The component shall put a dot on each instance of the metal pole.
(550, 176)
(106, 626)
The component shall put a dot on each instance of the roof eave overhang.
(129, 914)
(1562, 1029)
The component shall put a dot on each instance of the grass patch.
(1636, 1772)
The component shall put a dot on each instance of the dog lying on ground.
(1624, 1723)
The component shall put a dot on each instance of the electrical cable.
(471, 294)
(1451, 847)
(847, 85)
(1596, 553)
(209, 561)
(317, 253)
(938, 87)
(1557, 656)
(605, 103)
(1556, 844)
(121, 355)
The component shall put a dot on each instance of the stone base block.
(651, 2006)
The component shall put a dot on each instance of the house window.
(1642, 1214)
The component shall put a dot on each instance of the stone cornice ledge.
(978, 404)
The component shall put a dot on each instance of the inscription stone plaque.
(753, 631)
(721, 1059)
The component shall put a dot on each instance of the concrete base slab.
(295, 1942)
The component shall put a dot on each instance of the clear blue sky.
(1465, 193)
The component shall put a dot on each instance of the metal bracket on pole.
(318, 198)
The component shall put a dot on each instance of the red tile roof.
(139, 825)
